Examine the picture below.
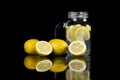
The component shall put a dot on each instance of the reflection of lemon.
(43, 65)
(85, 75)
(71, 75)
(59, 64)
(77, 65)
(59, 46)
(30, 61)
(77, 48)
(43, 48)
(29, 46)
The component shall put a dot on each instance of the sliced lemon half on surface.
(43, 48)
(77, 48)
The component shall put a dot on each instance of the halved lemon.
(43, 48)
(77, 48)
(43, 65)
(77, 65)
(82, 34)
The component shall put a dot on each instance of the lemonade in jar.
(77, 33)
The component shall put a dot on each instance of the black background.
(38, 20)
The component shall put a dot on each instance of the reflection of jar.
(78, 68)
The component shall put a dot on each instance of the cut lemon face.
(43, 65)
(77, 65)
(43, 48)
(77, 48)
(82, 34)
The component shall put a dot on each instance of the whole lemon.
(59, 46)
(29, 46)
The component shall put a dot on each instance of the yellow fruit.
(70, 32)
(59, 46)
(43, 48)
(43, 65)
(77, 48)
(59, 64)
(30, 61)
(82, 34)
(77, 65)
(78, 32)
(29, 46)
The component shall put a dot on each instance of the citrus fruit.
(29, 46)
(77, 48)
(59, 46)
(30, 61)
(43, 65)
(59, 64)
(82, 34)
(70, 32)
(77, 65)
(43, 48)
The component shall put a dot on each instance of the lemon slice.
(77, 65)
(82, 34)
(70, 32)
(43, 65)
(77, 48)
(43, 48)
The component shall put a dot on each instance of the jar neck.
(74, 21)
(78, 17)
